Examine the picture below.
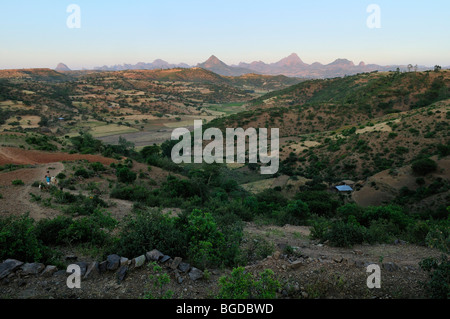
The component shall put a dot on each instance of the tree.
(424, 166)
(125, 175)
(410, 66)
(437, 68)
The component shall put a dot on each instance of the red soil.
(11, 155)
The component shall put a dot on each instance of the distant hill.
(61, 67)
(157, 64)
(215, 65)
(291, 66)
(33, 74)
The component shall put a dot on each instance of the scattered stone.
(165, 258)
(92, 270)
(113, 262)
(176, 262)
(32, 268)
(59, 273)
(83, 267)
(390, 266)
(195, 274)
(178, 277)
(49, 271)
(184, 267)
(122, 273)
(296, 264)
(367, 264)
(123, 261)
(139, 261)
(8, 266)
(103, 266)
(399, 242)
(338, 259)
(154, 255)
(71, 258)
(276, 255)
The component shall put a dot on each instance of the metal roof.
(344, 188)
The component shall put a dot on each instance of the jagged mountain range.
(291, 66)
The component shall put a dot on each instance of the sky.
(35, 33)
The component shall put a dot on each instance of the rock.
(83, 267)
(103, 266)
(154, 255)
(359, 263)
(176, 262)
(8, 266)
(304, 295)
(296, 264)
(276, 255)
(60, 273)
(139, 261)
(122, 273)
(390, 266)
(164, 259)
(113, 262)
(123, 261)
(184, 267)
(92, 271)
(71, 258)
(195, 274)
(32, 268)
(49, 271)
(338, 259)
(178, 277)
(357, 252)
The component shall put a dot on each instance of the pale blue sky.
(34, 33)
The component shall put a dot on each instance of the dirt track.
(11, 155)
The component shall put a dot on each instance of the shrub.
(206, 242)
(424, 166)
(18, 182)
(82, 172)
(18, 239)
(320, 227)
(438, 287)
(98, 167)
(125, 175)
(148, 230)
(61, 176)
(241, 285)
(344, 234)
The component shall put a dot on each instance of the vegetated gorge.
(363, 179)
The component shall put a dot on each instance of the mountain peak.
(291, 60)
(342, 62)
(62, 67)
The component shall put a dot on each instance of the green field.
(228, 108)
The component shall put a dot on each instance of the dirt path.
(16, 199)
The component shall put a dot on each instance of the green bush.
(148, 230)
(82, 172)
(98, 167)
(18, 239)
(242, 285)
(424, 166)
(18, 182)
(438, 287)
(343, 234)
(206, 242)
(125, 175)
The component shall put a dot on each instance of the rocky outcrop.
(114, 263)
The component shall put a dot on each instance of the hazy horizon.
(35, 34)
